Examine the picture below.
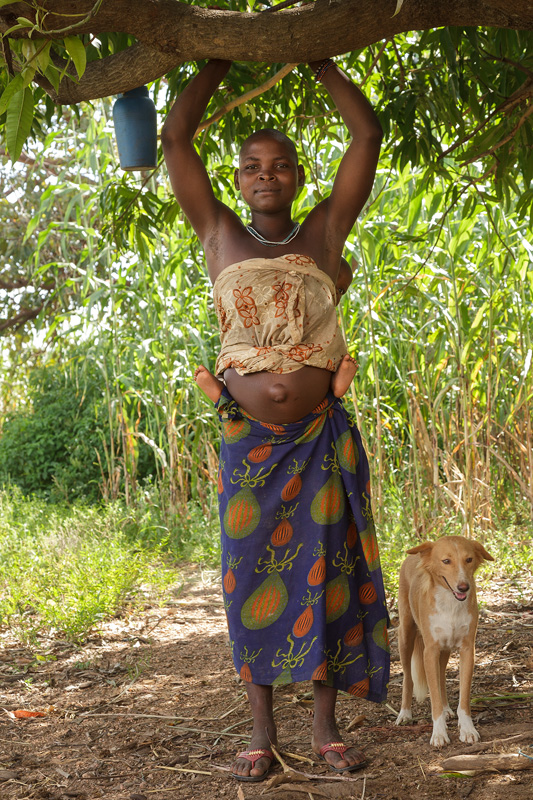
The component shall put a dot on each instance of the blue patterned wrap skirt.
(303, 589)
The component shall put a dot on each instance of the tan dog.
(438, 612)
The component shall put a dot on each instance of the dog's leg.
(467, 731)
(406, 642)
(432, 658)
(444, 656)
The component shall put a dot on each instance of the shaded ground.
(150, 709)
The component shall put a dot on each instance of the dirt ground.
(150, 709)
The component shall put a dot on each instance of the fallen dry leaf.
(21, 713)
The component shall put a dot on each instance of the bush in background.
(54, 449)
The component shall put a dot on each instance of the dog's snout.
(463, 587)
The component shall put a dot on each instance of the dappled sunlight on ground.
(149, 708)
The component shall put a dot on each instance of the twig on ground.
(124, 714)
(213, 733)
(279, 758)
(394, 729)
(111, 702)
(343, 778)
(182, 769)
(295, 788)
(159, 621)
(235, 725)
(478, 748)
(218, 734)
(106, 777)
(297, 757)
(231, 710)
(358, 720)
(505, 762)
(291, 776)
(16, 741)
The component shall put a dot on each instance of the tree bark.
(169, 33)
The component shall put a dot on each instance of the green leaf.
(448, 46)
(52, 73)
(464, 774)
(414, 210)
(399, 4)
(28, 74)
(42, 57)
(76, 50)
(16, 85)
(18, 122)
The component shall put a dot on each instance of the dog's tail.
(420, 685)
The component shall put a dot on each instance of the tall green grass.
(65, 569)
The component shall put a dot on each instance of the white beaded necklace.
(292, 235)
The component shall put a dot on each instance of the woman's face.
(269, 175)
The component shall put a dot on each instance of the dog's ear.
(481, 552)
(424, 549)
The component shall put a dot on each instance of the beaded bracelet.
(323, 68)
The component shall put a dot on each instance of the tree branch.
(244, 98)
(73, 27)
(512, 133)
(170, 33)
(523, 93)
(21, 318)
(51, 165)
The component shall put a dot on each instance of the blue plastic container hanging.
(135, 119)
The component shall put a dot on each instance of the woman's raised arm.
(355, 175)
(188, 176)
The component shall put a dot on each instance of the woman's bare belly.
(279, 398)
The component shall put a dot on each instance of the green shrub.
(54, 449)
(49, 450)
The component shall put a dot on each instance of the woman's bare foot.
(342, 378)
(207, 382)
(263, 735)
(325, 732)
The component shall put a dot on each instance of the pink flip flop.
(252, 756)
(340, 748)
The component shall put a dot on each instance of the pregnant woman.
(302, 582)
